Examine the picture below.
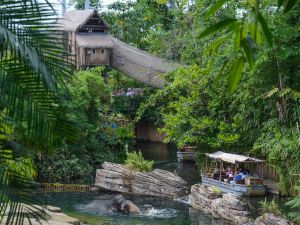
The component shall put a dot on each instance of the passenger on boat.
(216, 174)
(239, 175)
(229, 171)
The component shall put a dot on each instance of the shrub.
(135, 161)
(270, 207)
(295, 205)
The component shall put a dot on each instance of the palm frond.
(33, 63)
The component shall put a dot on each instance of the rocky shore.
(160, 183)
(230, 207)
(271, 219)
(40, 215)
(226, 206)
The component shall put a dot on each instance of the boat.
(250, 185)
(186, 154)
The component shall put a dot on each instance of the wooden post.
(221, 166)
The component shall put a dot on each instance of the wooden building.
(86, 38)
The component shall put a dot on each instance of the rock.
(271, 219)
(201, 197)
(53, 208)
(45, 214)
(161, 183)
(227, 206)
(61, 217)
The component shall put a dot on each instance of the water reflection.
(157, 151)
(164, 157)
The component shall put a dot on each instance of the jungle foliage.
(104, 135)
(241, 92)
(32, 68)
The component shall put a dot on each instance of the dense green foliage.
(262, 116)
(32, 68)
(295, 205)
(70, 125)
(135, 161)
(103, 133)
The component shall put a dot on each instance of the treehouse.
(86, 38)
(87, 41)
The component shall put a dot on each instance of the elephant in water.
(116, 204)
(120, 204)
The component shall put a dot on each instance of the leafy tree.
(104, 135)
(79, 4)
(246, 29)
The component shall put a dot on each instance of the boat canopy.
(232, 158)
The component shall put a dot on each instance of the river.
(156, 211)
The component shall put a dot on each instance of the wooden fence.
(57, 187)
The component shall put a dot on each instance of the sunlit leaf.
(265, 29)
(217, 27)
(271, 92)
(215, 7)
(161, 2)
(235, 73)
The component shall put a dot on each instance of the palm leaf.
(265, 29)
(33, 63)
(217, 27)
(214, 8)
(235, 73)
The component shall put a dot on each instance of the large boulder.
(231, 207)
(161, 183)
(227, 206)
(271, 219)
(201, 197)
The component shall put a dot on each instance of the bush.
(295, 205)
(135, 161)
(270, 207)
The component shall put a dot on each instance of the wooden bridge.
(90, 45)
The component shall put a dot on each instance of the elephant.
(116, 204)
(120, 204)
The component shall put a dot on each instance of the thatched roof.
(232, 158)
(94, 40)
(74, 19)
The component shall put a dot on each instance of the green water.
(88, 207)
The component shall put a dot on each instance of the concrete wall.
(147, 131)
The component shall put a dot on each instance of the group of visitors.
(229, 175)
(236, 176)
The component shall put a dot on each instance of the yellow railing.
(57, 187)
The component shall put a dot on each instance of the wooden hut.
(86, 38)
(90, 45)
